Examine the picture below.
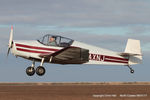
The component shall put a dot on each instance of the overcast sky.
(104, 23)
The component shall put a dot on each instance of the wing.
(68, 55)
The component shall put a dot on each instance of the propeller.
(10, 41)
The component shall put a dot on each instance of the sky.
(103, 23)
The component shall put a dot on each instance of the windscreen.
(52, 40)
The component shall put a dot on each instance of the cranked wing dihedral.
(68, 55)
(61, 50)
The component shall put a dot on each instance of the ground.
(75, 91)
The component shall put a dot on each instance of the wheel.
(131, 71)
(30, 71)
(40, 71)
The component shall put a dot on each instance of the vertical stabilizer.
(133, 48)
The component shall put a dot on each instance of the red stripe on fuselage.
(98, 57)
(31, 51)
(34, 47)
(115, 58)
(114, 61)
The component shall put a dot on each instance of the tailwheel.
(40, 71)
(131, 70)
(30, 71)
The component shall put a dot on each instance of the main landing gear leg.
(40, 70)
(131, 70)
(30, 71)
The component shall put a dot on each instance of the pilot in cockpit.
(52, 41)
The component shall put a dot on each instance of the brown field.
(75, 91)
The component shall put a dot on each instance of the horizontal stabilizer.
(129, 54)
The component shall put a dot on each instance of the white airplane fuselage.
(32, 49)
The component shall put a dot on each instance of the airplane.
(61, 50)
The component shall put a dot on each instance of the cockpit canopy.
(55, 40)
